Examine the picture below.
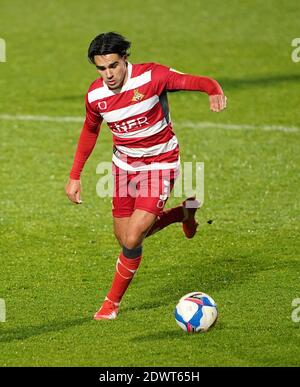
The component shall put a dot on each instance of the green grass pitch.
(57, 260)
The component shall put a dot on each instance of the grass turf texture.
(57, 260)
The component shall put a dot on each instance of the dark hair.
(108, 43)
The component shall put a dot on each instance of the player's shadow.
(160, 335)
(178, 334)
(266, 81)
(22, 333)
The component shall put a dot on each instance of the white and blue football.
(196, 312)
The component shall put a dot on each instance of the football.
(196, 312)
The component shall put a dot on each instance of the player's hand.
(73, 189)
(217, 102)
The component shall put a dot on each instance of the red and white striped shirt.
(138, 117)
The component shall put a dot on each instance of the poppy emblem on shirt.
(137, 96)
(102, 105)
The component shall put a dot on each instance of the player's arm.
(86, 143)
(180, 81)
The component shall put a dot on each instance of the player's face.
(112, 68)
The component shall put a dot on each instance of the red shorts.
(146, 190)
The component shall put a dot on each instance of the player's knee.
(132, 241)
(135, 236)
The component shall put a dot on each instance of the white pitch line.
(207, 125)
(186, 124)
(9, 117)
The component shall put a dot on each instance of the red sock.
(125, 270)
(168, 217)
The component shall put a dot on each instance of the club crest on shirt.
(137, 96)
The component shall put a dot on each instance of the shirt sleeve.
(87, 140)
(172, 80)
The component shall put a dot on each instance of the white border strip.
(181, 124)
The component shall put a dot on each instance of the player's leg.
(184, 213)
(163, 182)
(128, 261)
(122, 209)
